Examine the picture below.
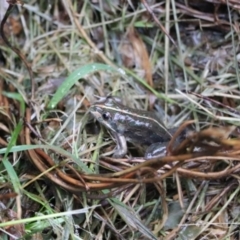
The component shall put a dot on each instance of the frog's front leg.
(121, 142)
(156, 150)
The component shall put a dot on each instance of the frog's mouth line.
(98, 117)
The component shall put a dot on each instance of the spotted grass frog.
(139, 127)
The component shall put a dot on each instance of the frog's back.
(141, 127)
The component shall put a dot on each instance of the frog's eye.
(106, 116)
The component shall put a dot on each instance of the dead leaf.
(134, 53)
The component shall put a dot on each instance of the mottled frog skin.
(132, 125)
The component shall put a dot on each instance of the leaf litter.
(180, 59)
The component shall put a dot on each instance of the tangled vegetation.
(58, 176)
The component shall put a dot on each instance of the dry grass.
(58, 179)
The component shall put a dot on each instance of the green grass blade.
(76, 159)
(8, 166)
(73, 78)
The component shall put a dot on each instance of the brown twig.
(157, 21)
(16, 50)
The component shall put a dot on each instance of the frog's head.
(104, 111)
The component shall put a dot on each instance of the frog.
(126, 124)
